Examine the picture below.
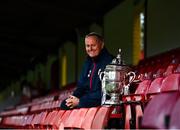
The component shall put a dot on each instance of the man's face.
(93, 46)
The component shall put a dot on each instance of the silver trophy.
(115, 79)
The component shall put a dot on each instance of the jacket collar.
(100, 56)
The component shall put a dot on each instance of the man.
(88, 92)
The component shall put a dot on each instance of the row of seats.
(84, 118)
(131, 103)
(159, 65)
(157, 74)
(51, 101)
(44, 112)
(146, 90)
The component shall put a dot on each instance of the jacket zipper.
(94, 67)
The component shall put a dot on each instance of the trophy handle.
(132, 76)
(101, 75)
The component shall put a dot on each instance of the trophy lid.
(118, 64)
(118, 60)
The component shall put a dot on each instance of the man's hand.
(72, 101)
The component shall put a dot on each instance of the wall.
(118, 26)
(68, 49)
(163, 29)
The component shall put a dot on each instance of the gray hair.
(97, 35)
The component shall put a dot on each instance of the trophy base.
(114, 100)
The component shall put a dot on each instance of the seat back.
(55, 120)
(71, 118)
(170, 69)
(43, 118)
(175, 116)
(49, 118)
(177, 69)
(59, 122)
(76, 118)
(157, 109)
(101, 118)
(80, 118)
(143, 87)
(155, 86)
(171, 83)
(87, 122)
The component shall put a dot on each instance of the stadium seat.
(127, 112)
(80, 118)
(36, 120)
(175, 116)
(155, 88)
(54, 119)
(71, 118)
(101, 118)
(177, 69)
(60, 120)
(142, 90)
(170, 69)
(143, 87)
(171, 83)
(134, 102)
(43, 118)
(158, 109)
(48, 118)
(159, 73)
(87, 122)
(27, 122)
(76, 118)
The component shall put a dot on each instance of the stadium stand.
(154, 104)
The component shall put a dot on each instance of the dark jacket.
(89, 85)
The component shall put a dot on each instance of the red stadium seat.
(48, 119)
(76, 118)
(171, 83)
(157, 109)
(135, 100)
(28, 121)
(71, 118)
(155, 86)
(43, 118)
(80, 118)
(143, 87)
(142, 90)
(87, 122)
(36, 120)
(59, 122)
(159, 73)
(177, 69)
(170, 69)
(101, 118)
(175, 116)
(127, 113)
(39, 119)
(54, 120)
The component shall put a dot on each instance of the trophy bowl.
(116, 77)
